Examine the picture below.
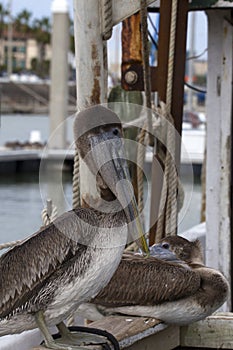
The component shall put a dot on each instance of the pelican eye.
(166, 245)
(115, 131)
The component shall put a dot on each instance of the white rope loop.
(10, 244)
(47, 218)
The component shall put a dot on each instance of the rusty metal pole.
(131, 51)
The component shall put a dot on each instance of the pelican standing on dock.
(45, 278)
(172, 285)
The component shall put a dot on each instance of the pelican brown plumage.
(179, 289)
(45, 278)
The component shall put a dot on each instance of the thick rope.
(107, 19)
(49, 213)
(76, 203)
(76, 181)
(168, 209)
(171, 55)
(167, 220)
(140, 165)
(10, 244)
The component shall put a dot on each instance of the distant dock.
(14, 161)
(25, 160)
(27, 97)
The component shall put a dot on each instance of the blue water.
(20, 196)
(22, 203)
(17, 127)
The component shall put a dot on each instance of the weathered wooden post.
(90, 69)
(219, 143)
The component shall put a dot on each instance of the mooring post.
(219, 144)
(91, 71)
(59, 74)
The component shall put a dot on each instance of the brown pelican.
(179, 291)
(45, 278)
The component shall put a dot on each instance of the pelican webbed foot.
(80, 338)
(49, 341)
(72, 340)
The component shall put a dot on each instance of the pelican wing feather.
(147, 281)
(28, 265)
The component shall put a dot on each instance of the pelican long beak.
(161, 253)
(108, 153)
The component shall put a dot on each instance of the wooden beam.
(207, 4)
(125, 8)
(122, 9)
(166, 339)
(213, 332)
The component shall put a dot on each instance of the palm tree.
(3, 13)
(22, 21)
(42, 32)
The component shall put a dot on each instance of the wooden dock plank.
(213, 332)
(135, 333)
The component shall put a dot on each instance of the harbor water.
(22, 200)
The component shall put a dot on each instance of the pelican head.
(187, 251)
(162, 252)
(99, 139)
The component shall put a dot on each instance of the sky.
(42, 8)
(39, 8)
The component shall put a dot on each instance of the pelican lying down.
(45, 278)
(177, 291)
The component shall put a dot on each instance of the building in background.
(25, 51)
